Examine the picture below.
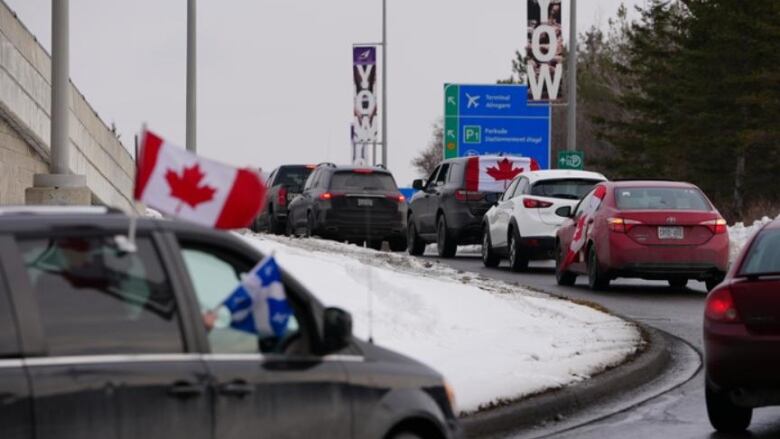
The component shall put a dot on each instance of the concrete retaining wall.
(25, 101)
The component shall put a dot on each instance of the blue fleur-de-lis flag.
(259, 304)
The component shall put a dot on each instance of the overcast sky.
(275, 76)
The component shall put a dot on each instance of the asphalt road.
(677, 414)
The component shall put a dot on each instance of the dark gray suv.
(97, 341)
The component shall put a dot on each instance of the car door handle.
(238, 388)
(185, 389)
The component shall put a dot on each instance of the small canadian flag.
(182, 184)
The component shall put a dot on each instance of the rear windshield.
(293, 176)
(375, 181)
(764, 255)
(660, 198)
(568, 188)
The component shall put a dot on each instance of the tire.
(489, 257)
(406, 435)
(398, 244)
(375, 244)
(724, 415)
(447, 246)
(310, 226)
(678, 283)
(414, 245)
(597, 280)
(518, 258)
(714, 281)
(288, 228)
(564, 278)
(275, 226)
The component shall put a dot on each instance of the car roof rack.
(328, 164)
(55, 210)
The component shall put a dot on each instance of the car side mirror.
(337, 329)
(564, 211)
(418, 184)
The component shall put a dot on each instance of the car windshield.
(660, 198)
(293, 176)
(566, 188)
(764, 255)
(372, 181)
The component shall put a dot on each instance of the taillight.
(716, 226)
(621, 225)
(720, 306)
(281, 197)
(462, 195)
(363, 171)
(326, 196)
(533, 203)
(399, 198)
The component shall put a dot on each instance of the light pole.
(60, 95)
(192, 128)
(571, 115)
(384, 82)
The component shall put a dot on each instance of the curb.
(552, 405)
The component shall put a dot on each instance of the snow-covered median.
(491, 340)
(740, 234)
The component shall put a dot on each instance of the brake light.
(716, 226)
(720, 307)
(399, 198)
(533, 203)
(326, 196)
(622, 225)
(463, 195)
(363, 171)
(281, 197)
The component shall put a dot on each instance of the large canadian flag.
(495, 173)
(181, 184)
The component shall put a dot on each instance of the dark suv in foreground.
(284, 184)
(348, 203)
(100, 341)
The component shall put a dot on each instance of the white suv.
(522, 225)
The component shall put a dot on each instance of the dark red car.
(657, 230)
(742, 335)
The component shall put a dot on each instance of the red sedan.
(742, 335)
(647, 229)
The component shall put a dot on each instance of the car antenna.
(370, 300)
(126, 244)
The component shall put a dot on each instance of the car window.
(660, 198)
(293, 176)
(432, 179)
(441, 179)
(310, 181)
(95, 299)
(269, 181)
(456, 172)
(509, 193)
(522, 185)
(360, 181)
(583, 202)
(764, 254)
(565, 188)
(215, 276)
(9, 344)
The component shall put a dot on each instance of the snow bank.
(491, 340)
(740, 234)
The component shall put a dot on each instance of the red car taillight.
(532, 203)
(463, 195)
(720, 307)
(399, 198)
(622, 225)
(281, 197)
(329, 195)
(716, 226)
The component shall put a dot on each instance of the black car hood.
(378, 354)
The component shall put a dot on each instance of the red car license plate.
(670, 233)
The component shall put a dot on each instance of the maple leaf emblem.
(187, 187)
(504, 171)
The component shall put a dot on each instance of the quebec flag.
(259, 305)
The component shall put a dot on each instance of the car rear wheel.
(310, 226)
(375, 244)
(489, 257)
(597, 279)
(397, 244)
(275, 226)
(724, 415)
(564, 278)
(678, 283)
(414, 244)
(518, 258)
(444, 241)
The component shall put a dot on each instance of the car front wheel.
(489, 257)
(724, 415)
(563, 277)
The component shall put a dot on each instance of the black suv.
(99, 341)
(348, 203)
(445, 212)
(284, 184)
